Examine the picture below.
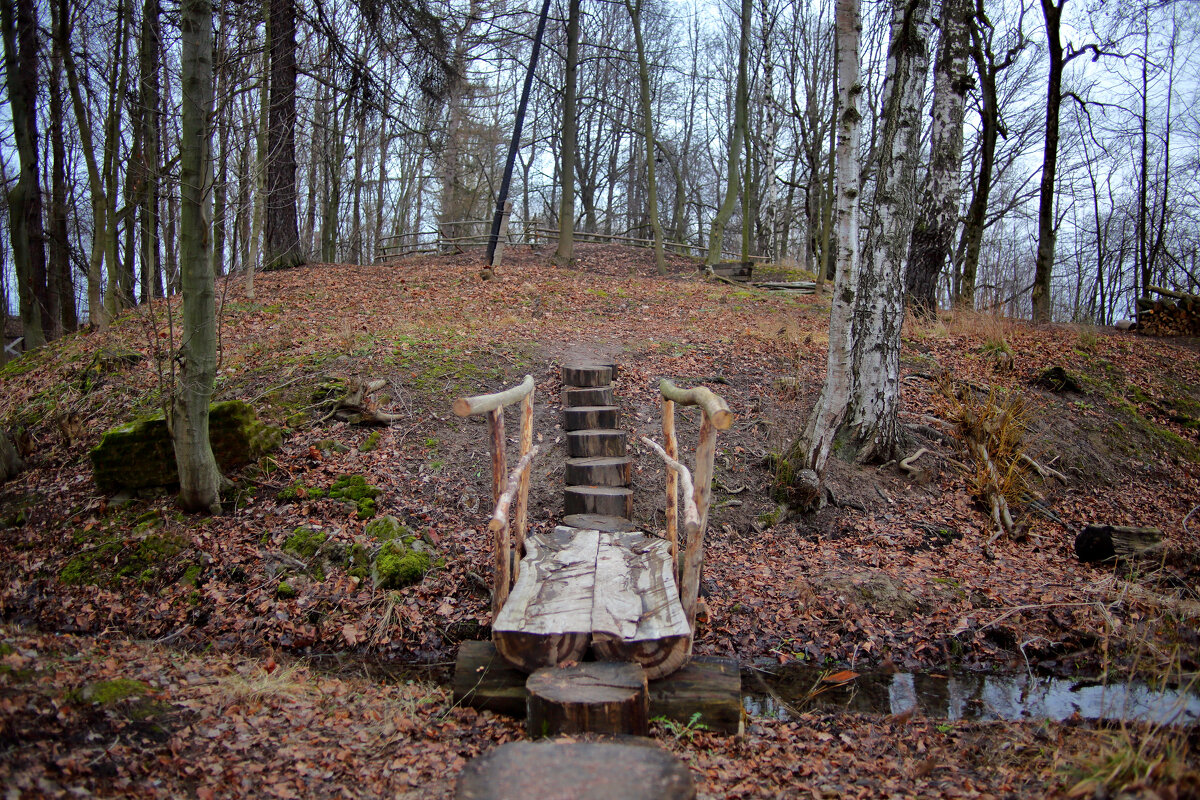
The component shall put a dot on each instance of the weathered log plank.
(576, 770)
(706, 685)
(597, 697)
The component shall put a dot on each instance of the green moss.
(331, 447)
(355, 489)
(114, 558)
(386, 528)
(370, 443)
(106, 693)
(396, 566)
(191, 576)
(304, 542)
(285, 591)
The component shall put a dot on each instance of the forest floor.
(148, 653)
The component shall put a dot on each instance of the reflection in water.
(974, 697)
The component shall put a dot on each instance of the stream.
(785, 691)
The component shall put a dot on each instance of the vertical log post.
(521, 521)
(715, 415)
(672, 450)
(502, 236)
(493, 406)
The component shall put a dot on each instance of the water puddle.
(787, 691)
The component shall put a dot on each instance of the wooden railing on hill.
(456, 236)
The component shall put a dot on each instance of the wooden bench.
(626, 595)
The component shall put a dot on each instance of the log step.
(573, 397)
(595, 443)
(708, 686)
(586, 375)
(584, 417)
(629, 770)
(606, 697)
(609, 501)
(596, 522)
(610, 471)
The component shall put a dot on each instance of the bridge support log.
(597, 697)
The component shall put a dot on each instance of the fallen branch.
(1042, 470)
(349, 400)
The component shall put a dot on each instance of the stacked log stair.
(598, 470)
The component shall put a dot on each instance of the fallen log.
(1100, 543)
(350, 401)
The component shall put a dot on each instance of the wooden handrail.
(691, 514)
(713, 405)
(466, 406)
(503, 573)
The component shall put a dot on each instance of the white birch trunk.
(879, 314)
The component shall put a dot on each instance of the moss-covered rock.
(370, 443)
(385, 529)
(355, 489)
(397, 566)
(285, 591)
(106, 693)
(140, 454)
(143, 559)
(304, 542)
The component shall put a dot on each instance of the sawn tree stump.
(596, 697)
(575, 771)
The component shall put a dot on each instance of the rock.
(140, 454)
(386, 528)
(875, 590)
(10, 460)
(1126, 325)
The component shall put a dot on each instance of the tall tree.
(19, 18)
(736, 138)
(566, 211)
(635, 14)
(62, 288)
(933, 234)
(281, 242)
(149, 100)
(199, 477)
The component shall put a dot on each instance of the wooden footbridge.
(593, 621)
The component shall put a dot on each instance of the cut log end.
(578, 770)
(597, 697)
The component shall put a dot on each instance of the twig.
(1187, 517)
(1044, 471)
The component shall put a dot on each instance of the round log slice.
(604, 501)
(588, 396)
(594, 697)
(595, 443)
(610, 471)
(584, 417)
(575, 771)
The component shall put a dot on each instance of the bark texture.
(281, 245)
(933, 233)
(566, 210)
(199, 477)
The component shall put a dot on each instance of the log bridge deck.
(594, 585)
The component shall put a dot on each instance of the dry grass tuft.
(263, 684)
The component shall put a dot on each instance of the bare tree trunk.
(1047, 233)
(28, 238)
(736, 137)
(62, 289)
(635, 14)
(933, 233)
(565, 253)
(281, 246)
(879, 314)
(808, 456)
(199, 477)
(148, 105)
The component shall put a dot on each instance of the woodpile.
(1174, 314)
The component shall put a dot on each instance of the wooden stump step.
(607, 501)
(587, 374)
(607, 471)
(706, 685)
(599, 522)
(585, 417)
(595, 442)
(614, 588)
(571, 770)
(574, 397)
(607, 697)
